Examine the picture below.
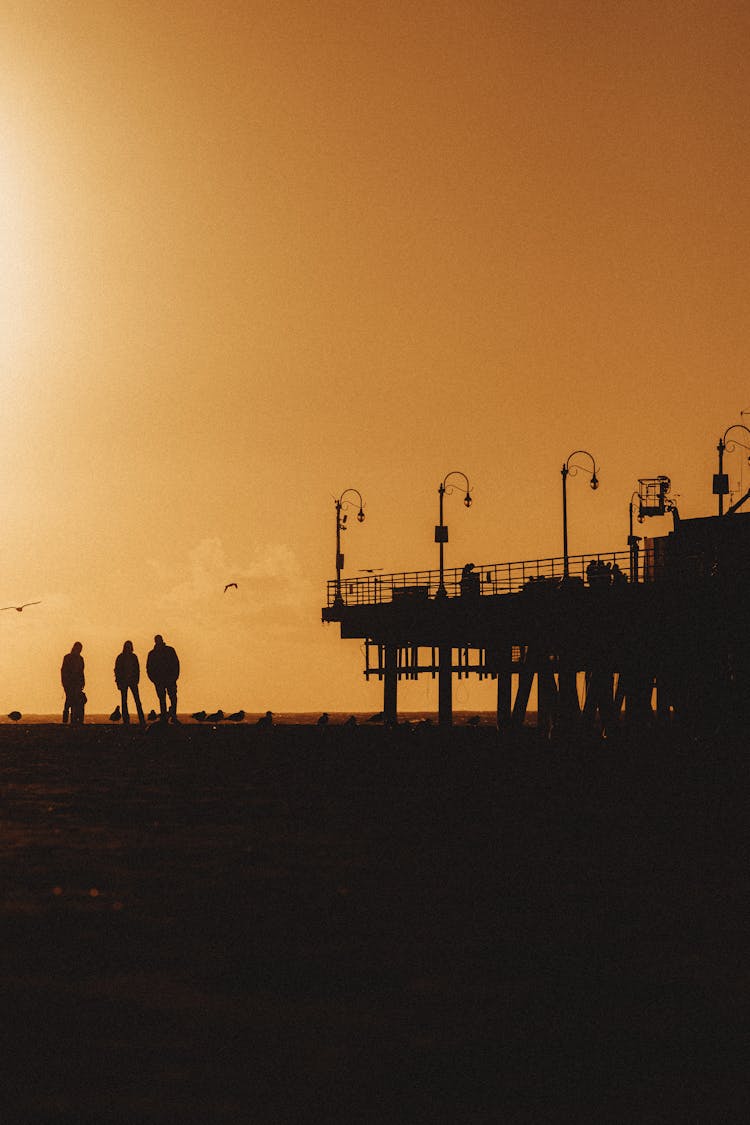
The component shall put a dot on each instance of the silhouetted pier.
(663, 632)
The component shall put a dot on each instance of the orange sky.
(255, 254)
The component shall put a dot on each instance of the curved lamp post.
(441, 531)
(342, 503)
(572, 469)
(721, 479)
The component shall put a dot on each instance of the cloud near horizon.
(270, 585)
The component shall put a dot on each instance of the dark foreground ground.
(210, 925)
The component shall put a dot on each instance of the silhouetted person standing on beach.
(127, 675)
(73, 681)
(163, 669)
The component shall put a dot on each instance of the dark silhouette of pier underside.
(603, 645)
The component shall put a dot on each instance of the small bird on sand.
(116, 715)
(216, 717)
(18, 608)
(152, 716)
(323, 720)
(351, 721)
(236, 717)
(229, 586)
(199, 716)
(265, 720)
(15, 716)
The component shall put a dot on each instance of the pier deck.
(597, 645)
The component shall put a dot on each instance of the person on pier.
(469, 580)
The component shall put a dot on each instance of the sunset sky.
(254, 254)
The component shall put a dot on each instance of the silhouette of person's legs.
(124, 705)
(76, 709)
(161, 692)
(138, 705)
(172, 692)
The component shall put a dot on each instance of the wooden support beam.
(599, 697)
(445, 686)
(569, 707)
(504, 694)
(634, 690)
(547, 697)
(525, 680)
(390, 684)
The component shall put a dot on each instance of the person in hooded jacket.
(127, 676)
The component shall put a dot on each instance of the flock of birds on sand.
(265, 721)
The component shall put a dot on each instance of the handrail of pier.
(490, 579)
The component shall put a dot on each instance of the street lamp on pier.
(572, 470)
(634, 540)
(721, 479)
(441, 530)
(342, 503)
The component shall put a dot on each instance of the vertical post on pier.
(565, 470)
(390, 684)
(445, 686)
(504, 693)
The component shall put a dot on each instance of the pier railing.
(493, 578)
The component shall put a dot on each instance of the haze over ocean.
(255, 255)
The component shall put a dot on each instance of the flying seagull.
(19, 608)
(229, 586)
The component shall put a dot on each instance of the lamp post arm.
(572, 469)
(455, 473)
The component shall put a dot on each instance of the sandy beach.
(231, 925)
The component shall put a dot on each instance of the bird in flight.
(18, 608)
(229, 586)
